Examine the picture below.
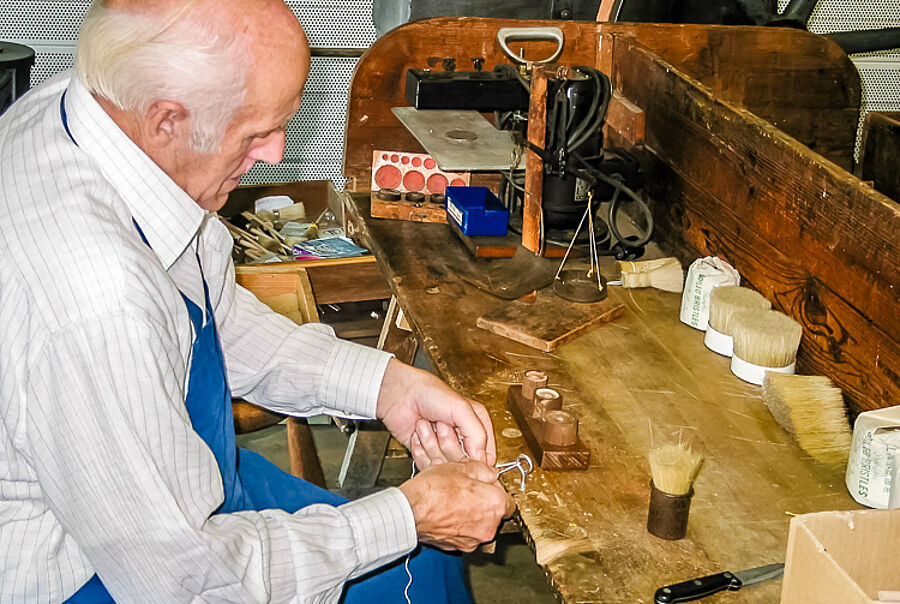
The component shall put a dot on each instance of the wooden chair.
(290, 294)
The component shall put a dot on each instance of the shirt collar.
(166, 214)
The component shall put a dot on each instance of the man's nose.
(269, 149)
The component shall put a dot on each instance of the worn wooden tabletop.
(643, 378)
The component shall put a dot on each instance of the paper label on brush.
(704, 275)
(873, 455)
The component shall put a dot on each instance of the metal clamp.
(550, 34)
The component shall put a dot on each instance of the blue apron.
(253, 483)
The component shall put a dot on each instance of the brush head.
(812, 409)
(727, 300)
(766, 338)
(664, 274)
(674, 467)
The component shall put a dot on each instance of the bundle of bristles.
(766, 338)
(673, 467)
(808, 407)
(811, 409)
(664, 274)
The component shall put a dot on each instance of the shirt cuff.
(352, 378)
(383, 527)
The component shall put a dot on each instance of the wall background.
(315, 137)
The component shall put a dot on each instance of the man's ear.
(164, 122)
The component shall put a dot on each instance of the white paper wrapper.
(873, 453)
(704, 275)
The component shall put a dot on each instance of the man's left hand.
(435, 423)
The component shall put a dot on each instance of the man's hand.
(457, 505)
(435, 423)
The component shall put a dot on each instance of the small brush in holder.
(673, 468)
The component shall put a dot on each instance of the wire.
(620, 187)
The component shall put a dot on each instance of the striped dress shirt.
(100, 469)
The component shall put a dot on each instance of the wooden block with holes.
(415, 207)
(551, 435)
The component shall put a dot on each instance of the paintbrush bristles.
(766, 338)
(812, 409)
(674, 467)
(664, 274)
(727, 300)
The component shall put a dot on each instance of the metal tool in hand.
(695, 589)
(519, 464)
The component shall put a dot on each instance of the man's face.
(256, 133)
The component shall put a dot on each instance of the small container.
(534, 379)
(545, 399)
(668, 514)
(560, 428)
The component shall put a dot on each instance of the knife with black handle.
(695, 589)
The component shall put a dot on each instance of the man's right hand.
(457, 505)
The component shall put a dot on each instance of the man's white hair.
(133, 60)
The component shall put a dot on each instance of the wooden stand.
(407, 210)
(549, 457)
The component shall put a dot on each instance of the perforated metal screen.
(316, 135)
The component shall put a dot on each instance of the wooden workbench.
(644, 373)
(745, 138)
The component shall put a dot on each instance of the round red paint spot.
(395, 158)
(436, 183)
(405, 160)
(430, 163)
(417, 161)
(387, 177)
(384, 156)
(413, 181)
(457, 182)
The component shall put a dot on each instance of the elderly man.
(124, 336)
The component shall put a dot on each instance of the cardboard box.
(843, 558)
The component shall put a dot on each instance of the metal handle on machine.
(550, 34)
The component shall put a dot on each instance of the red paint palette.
(412, 172)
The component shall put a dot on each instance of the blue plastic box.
(476, 211)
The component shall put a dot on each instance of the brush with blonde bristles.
(724, 303)
(811, 409)
(664, 274)
(674, 466)
(764, 340)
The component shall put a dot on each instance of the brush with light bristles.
(812, 409)
(764, 340)
(674, 466)
(663, 274)
(724, 303)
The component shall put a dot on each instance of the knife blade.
(701, 587)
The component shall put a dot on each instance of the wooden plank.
(879, 152)
(626, 119)
(820, 242)
(802, 83)
(549, 322)
(534, 165)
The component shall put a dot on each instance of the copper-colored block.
(545, 399)
(534, 379)
(560, 428)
